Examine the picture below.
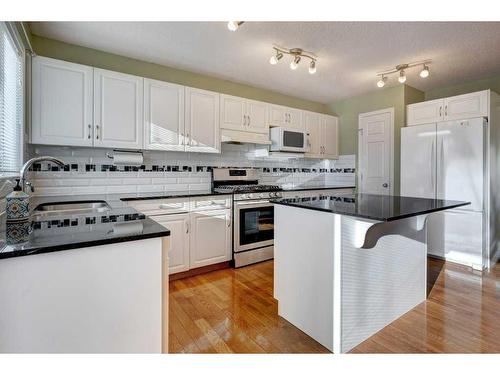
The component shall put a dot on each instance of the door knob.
(385, 184)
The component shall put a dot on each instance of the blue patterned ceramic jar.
(18, 204)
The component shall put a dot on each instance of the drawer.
(210, 203)
(161, 206)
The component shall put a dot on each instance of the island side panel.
(102, 299)
(380, 284)
(303, 270)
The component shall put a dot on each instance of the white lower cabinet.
(210, 237)
(178, 254)
(200, 229)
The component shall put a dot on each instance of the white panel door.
(210, 237)
(466, 106)
(425, 112)
(312, 124)
(178, 254)
(232, 113)
(163, 116)
(61, 103)
(118, 106)
(374, 149)
(202, 120)
(330, 136)
(460, 162)
(257, 117)
(418, 161)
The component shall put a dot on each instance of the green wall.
(87, 56)
(492, 83)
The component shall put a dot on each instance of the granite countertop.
(370, 206)
(120, 223)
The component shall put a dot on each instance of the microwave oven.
(289, 140)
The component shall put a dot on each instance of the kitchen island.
(348, 265)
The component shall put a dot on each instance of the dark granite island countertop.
(371, 206)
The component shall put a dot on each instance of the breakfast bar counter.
(348, 265)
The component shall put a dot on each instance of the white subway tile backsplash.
(90, 171)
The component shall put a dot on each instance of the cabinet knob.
(97, 132)
(385, 184)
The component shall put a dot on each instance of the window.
(11, 100)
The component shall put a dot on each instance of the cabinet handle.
(245, 121)
(446, 110)
(440, 111)
(97, 132)
(90, 128)
(187, 227)
(229, 223)
(249, 120)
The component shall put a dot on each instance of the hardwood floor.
(233, 311)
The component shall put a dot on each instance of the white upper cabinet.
(285, 117)
(466, 106)
(312, 125)
(163, 116)
(475, 104)
(243, 114)
(258, 116)
(118, 106)
(425, 112)
(62, 103)
(202, 120)
(330, 136)
(232, 112)
(323, 135)
(210, 237)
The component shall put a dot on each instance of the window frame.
(16, 39)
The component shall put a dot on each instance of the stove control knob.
(249, 196)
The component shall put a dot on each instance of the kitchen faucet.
(29, 163)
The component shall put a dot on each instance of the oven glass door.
(256, 227)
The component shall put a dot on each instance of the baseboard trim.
(200, 270)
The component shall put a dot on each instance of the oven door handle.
(252, 203)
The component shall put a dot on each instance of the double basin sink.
(69, 208)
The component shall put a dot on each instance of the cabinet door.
(202, 120)
(232, 113)
(312, 124)
(330, 136)
(425, 112)
(178, 254)
(163, 116)
(278, 116)
(466, 106)
(257, 117)
(62, 103)
(210, 237)
(294, 118)
(118, 106)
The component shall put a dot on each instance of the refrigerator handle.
(433, 164)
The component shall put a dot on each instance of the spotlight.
(382, 82)
(312, 67)
(233, 25)
(402, 76)
(275, 58)
(295, 63)
(425, 72)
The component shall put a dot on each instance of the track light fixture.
(297, 54)
(401, 70)
(233, 25)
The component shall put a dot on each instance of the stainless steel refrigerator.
(447, 160)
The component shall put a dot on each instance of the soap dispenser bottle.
(18, 204)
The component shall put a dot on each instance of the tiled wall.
(90, 171)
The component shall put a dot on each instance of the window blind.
(11, 102)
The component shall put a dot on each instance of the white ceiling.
(349, 53)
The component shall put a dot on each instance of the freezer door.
(456, 236)
(418, 161)
(460, 162)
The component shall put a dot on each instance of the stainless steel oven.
(253, 231)
(253, 215)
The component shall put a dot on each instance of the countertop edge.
(400, 217)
